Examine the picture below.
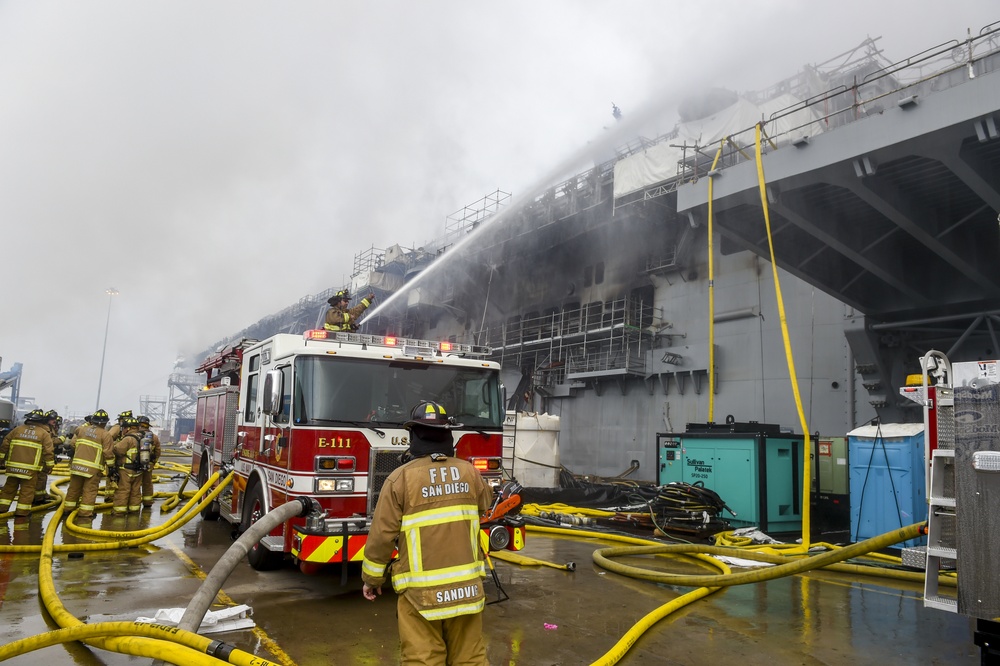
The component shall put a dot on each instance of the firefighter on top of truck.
(434, 501)
(130, 465)
(154, 455)
(341, 318)
(94, 451)
(26, 451)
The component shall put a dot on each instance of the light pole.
(111, 292)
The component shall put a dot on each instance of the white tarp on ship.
(660, 163)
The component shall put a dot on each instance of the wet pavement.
(552, 616)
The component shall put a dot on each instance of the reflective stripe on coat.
(430, 510)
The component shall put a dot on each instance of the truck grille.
(381, 465)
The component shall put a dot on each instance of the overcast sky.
(216, 161)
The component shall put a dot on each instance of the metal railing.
(875, 85)
(595, 337)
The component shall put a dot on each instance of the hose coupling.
(309, 505)
(219, 650)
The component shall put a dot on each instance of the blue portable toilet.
(887, 479)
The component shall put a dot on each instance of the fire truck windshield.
(341, 389)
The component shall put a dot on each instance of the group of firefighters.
(125, 453)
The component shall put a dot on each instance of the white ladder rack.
(940, 525)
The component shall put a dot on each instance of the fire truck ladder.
(941, 510)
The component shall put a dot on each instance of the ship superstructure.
(882, 182)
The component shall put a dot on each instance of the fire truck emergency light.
(486, 464)
(335, 464)
(410, 346)
(986, 461)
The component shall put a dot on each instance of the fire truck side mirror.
(272, 393)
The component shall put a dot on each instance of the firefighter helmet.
(143, 421)
(343, 295)
(130, 422)
(127, 414)
(51, 415)
(4, 423)
(432, 415)
(100, 417)
(34, 416)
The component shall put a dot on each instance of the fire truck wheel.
(260, 558)
(210, 512)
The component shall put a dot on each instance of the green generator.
(831, 498)
(754, 467)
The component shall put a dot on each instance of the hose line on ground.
(128, 543)
(203, 598)
(136, 646)
(603, 558)
(170, 644)
(707, 584)
(187, 512)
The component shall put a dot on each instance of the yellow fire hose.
(603, 558)
(61, 476)
(831, 560)
(525, 561)
(134, 638)
(175, 499)
(129, 543)
(185, 514)
(173, 645)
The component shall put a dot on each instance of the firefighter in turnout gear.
(128, 495)
(341, 318)
(94, 453)
(154, 455)
(53, 421)
(26, 451)
(429, 510)
(117, 430)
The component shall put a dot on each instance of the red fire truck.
(321, 415)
